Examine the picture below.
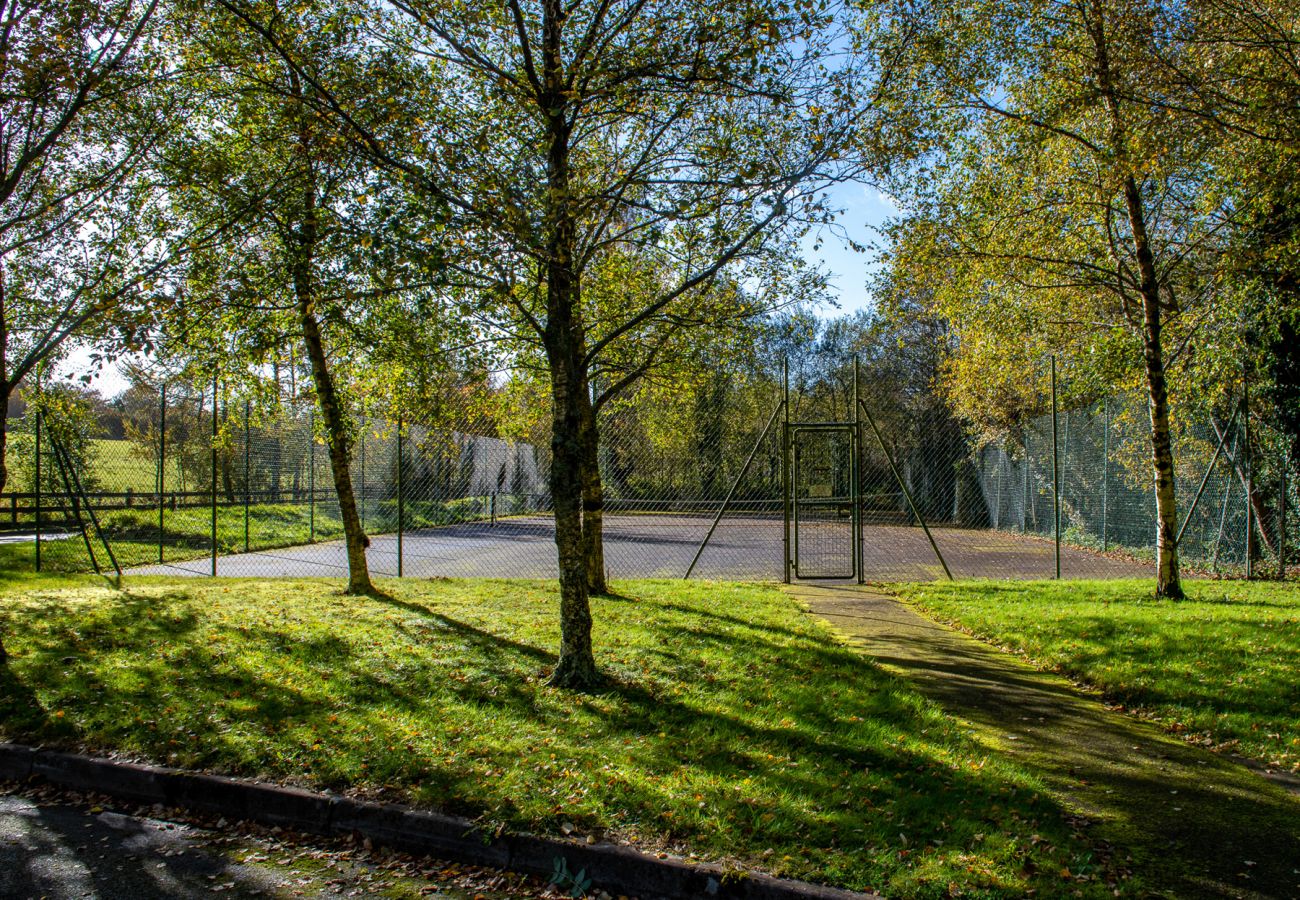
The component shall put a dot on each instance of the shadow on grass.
(735, 734)
(1192, 819)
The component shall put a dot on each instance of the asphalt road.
(57, 847)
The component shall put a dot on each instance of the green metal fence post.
(38, 490)
(362, 482)
(311, 477)
(1248, 459)
(731, 493)
(90, 509)
(1056, 477)
(65, 466)
(856, 453)
(248, 484)
(1281, 516)
(785, 470)
(1205, 480)
(1105, 474)
(1024, 499)
(902, 485)
(162, 466)
(400, 510)
(214, 476)
(1223, 508)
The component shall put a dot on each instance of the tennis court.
(745, 548)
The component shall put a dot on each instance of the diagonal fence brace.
(734, 486)
(1209, 470)
(906, 493)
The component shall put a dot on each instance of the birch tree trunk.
(1168, 582)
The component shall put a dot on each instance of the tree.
(303, 197)
(1068, 213)
(69, 255)
(558, 132)
(66, 68)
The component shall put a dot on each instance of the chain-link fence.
(727, 476)
(1232, 486)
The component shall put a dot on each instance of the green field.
(187, 533)
(735, 727)
(1220, 668)
(119, 466)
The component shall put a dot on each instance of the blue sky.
(864, 212)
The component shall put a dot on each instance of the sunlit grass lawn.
(187, 530)
(186, 534)
(1222, 667)
(124, 466)
(735, 726)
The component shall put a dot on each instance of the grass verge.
(187, 531)
(1219, 668)
(735, 726)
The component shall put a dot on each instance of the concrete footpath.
(1198, 824)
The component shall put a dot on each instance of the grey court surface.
(663, 546)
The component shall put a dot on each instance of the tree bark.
(5, 387)
(1168, 582)
(593, 504)
(566, 353)
(5, 390)
(337, 436)
(303, 247)
(4, 417)
(576, 667)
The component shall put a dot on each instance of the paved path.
(53, 848)
(1198, 824)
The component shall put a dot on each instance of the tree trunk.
(593, 504)
(303, 248)
(5, 387)
(576, 667)
(1168, 582)
(4, 438)
(5, 390)
(4, 417)
(566, 355)
(337, 437)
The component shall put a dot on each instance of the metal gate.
(821, 486)
(824, 500)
